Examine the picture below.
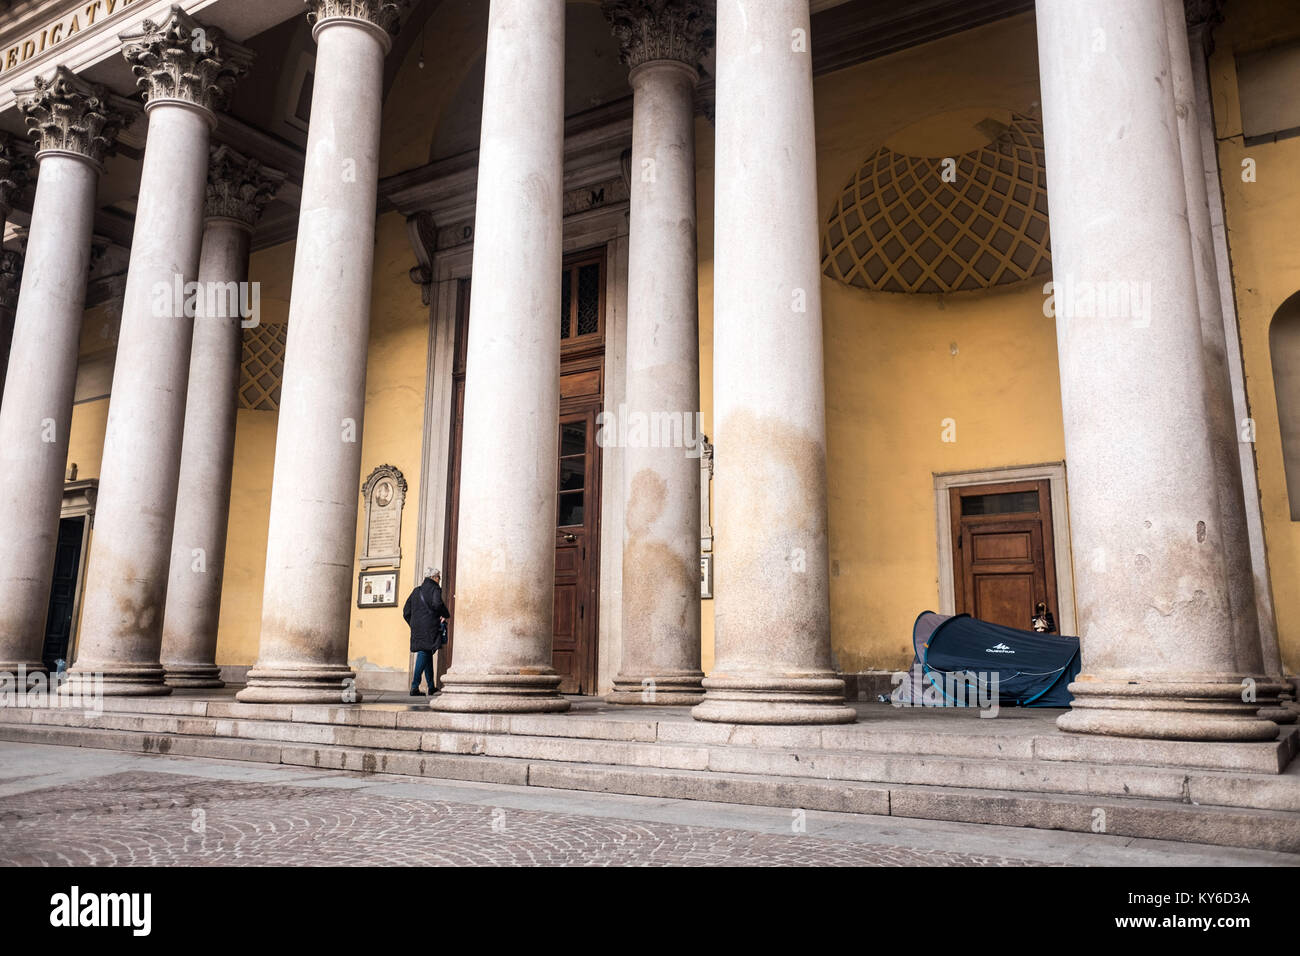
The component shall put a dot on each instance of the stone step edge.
(1144, 819)
(1269, 759)
(1205, 788)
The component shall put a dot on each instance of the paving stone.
(155, 819)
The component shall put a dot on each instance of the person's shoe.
(415, 693)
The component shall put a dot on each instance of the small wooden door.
(1003, 553)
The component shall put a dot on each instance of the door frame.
(1054, 474)
(79, 502)
(606, 227)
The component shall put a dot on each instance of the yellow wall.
(1261, 218)
(86, 437)
(393, 430)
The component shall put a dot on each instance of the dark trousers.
(423, 665)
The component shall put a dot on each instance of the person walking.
(427, 615)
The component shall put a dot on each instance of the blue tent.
(1033, 669)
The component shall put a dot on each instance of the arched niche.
(1284, 347)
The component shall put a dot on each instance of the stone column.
(1156, 613)
(14, 173)
(238, 188)
(1218, 394)
(771, 581)
(505, 563)
(662, 41)
(75, 124)
(186, 71)
(311, 543)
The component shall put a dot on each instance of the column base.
(23, 668)
(1270, 696)
(1277, 702)
(192, 675)
(774, 700)
(1209, 711)
(312, 684)
(683, 688)
(513, 693)
(116, 680)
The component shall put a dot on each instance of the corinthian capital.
(239, 188)
(15, 172)
(11, 275)
(64, 112)
(385, 14)
(661, 29)
(181, 59)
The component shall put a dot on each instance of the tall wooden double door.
(581, 331)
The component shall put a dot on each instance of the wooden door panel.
(566, 563)
(580, 384)
(1002, 598)
(1002, 546)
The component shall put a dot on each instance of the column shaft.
(1146, 523)
(661, 589)
(36, 411)
(773, 647)
(1226, 438)
(505, 562)
(189, 641)
(1218, 392)
(126, 578)
(311, 542)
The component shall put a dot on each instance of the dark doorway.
(1003, 554)
(577, 522)
(63, 592)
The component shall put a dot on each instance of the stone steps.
(1003, 738)
(656, 744)
(1010, 765)
(1128, 816)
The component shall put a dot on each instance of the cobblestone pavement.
(161, 819)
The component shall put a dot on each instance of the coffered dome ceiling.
(899, 226)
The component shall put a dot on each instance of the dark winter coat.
(423, 611)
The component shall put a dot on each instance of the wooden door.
(452, 522)
(63, 592)
(1003, 555)
(574, 650)
(581, 331)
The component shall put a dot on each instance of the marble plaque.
(384, 495)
